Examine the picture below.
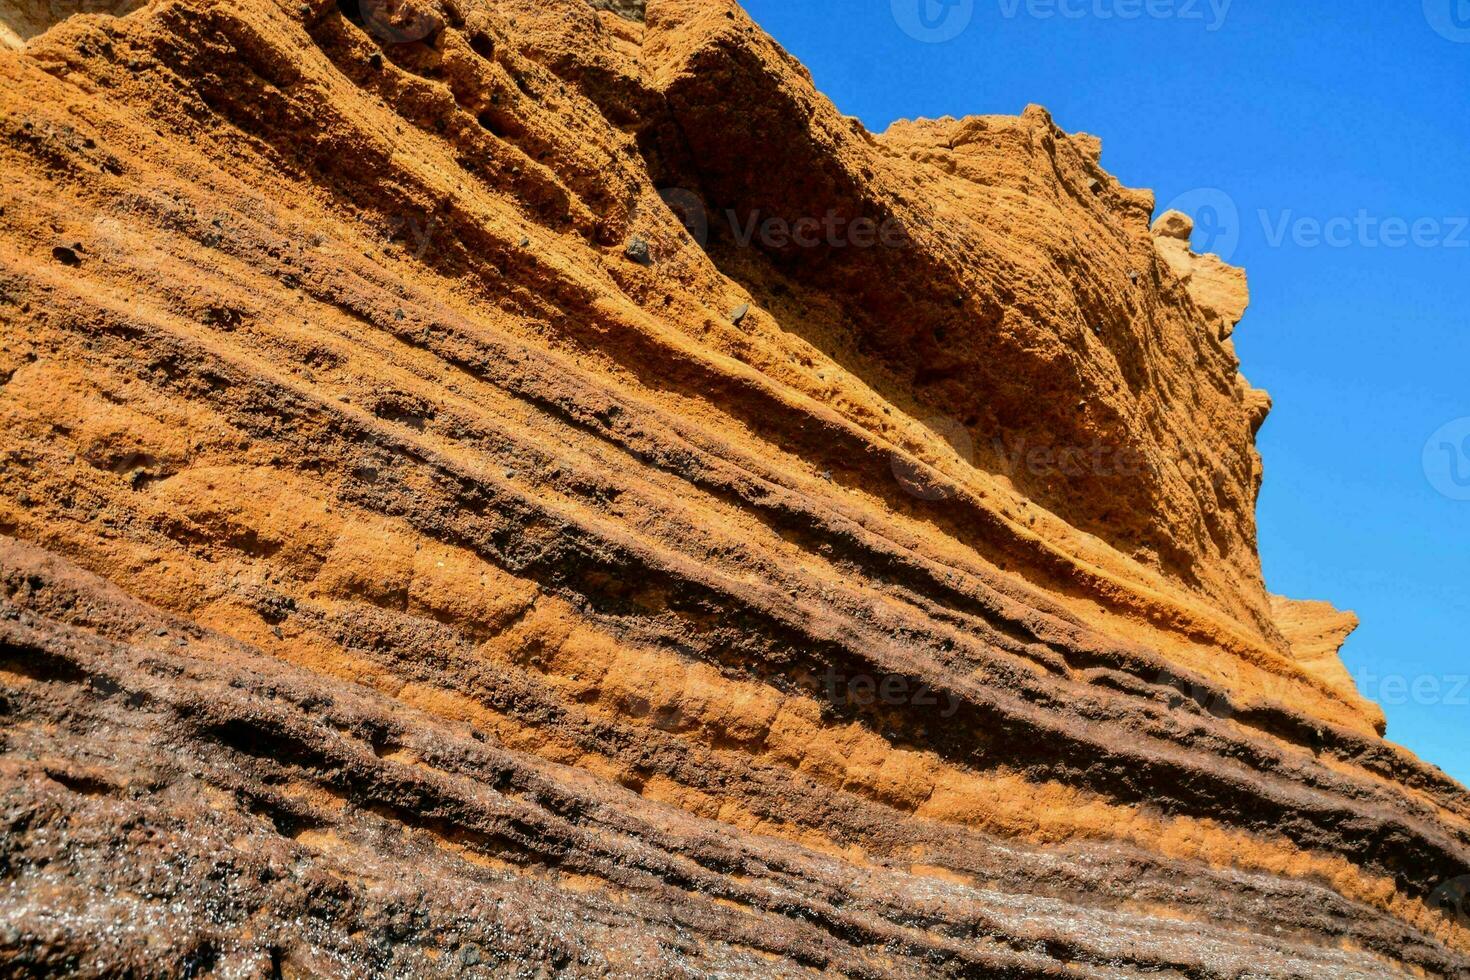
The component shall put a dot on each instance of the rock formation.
(515, 487)
(1218, 289)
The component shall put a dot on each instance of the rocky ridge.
(509, 485)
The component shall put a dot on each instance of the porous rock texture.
(514, 487)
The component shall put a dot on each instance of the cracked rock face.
(499, 487)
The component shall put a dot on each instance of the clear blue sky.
(1307, 109)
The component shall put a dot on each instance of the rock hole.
(200, 961)
(81, 785)
(351, 10)
(498, 124)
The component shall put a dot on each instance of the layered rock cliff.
(509, 487)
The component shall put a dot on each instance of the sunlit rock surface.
(497, 486)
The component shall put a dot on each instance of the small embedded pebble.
(637, 250)
(740, 313)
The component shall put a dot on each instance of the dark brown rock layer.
(422, 554)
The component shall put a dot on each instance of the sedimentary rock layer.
(507, 485)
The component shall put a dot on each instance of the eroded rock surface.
(493, 486)
(1217, 288)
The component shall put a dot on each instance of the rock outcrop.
(1218, 289)
(499, 486)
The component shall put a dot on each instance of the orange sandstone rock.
(496, 485)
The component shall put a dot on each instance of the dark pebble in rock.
(637, 250)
